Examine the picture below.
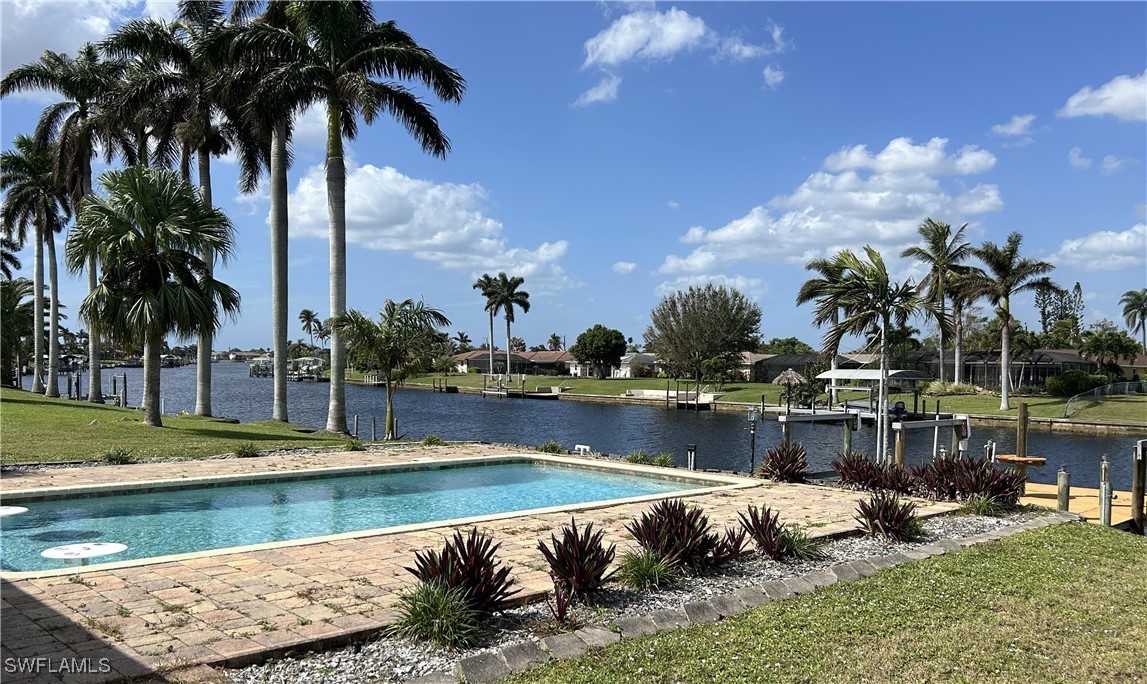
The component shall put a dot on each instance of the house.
(635, 365)
(1136, 367)
(480, 359)
(548, 362)
(765, 367)
(982, 368)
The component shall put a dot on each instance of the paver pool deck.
(233, 608)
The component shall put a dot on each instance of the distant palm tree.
(507, 296)
(1135, 312)
(34, 204)
(463, 341)
(149, 232)
(334, 58)
(1007, 275)
(8, 259)
(487, 285)
(871, 304)
(88, 118)
(15, 323)
(943, 253)
(404, 330)
(962, 295)
(554, 343)
(311, 323)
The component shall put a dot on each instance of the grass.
(39, 429)
(1131, 409)
(1061, 604)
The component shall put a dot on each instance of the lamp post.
(691, 456)
(752, 438)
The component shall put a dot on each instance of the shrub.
(246, 450)
(764, 526)
(644, 570)
(730, 546)
(468, 564)
(884, 515)
(894, 478)
(676, 533)
(951, 478)
(551, 447)
(939, 389)
(785, 463)
(354, 445)
(433, 440)
(639, 457)
(117, 456)
(433, 612)
(559, 604)
(1029, 391)
(579, 561)
(855, 470)
(982, 504)
(799, 544)
(664, 459)
(1072, 382)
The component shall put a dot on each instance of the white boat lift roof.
(872, 374)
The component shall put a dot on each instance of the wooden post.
(123, 390)
(666, 392)
(1104, 493)
(786, 432)
(900, 439)
(847, 438)
(373, 430)
(1063, 489)
(1022, 430)
(1138, 484)
(356, 426)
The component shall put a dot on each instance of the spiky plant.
(468, 563)
(579, 562)
(786, 463)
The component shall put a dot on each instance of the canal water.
(722, 437)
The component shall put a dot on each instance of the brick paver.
(232, 608)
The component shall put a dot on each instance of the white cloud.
(672, 205)
(645, 34)
(773, 76)
(624, 267)
(1077, 160)
(856, 198)
(1019, 125)
(737, 50)
(902, 156)
(443, 223)
(604, 91)
(753, 288)
(1124, 97)
(1105, 250)
(1111, 163)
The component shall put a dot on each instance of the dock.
(1084, 502)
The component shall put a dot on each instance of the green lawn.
(1121, 409)
(1061, 604)
(35, 428)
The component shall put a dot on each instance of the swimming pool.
(171, 518)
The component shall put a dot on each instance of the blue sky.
(611, 153)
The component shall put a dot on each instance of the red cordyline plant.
(468, 563)
(579, 562)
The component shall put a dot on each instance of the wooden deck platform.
(1084, 502)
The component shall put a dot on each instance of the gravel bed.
(393, 660)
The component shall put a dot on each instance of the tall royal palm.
(187, 58)
(962, 293)
(311, 323)
(487, 285)
(1134, 304)
(870, 304)
(87, 118)
(149, 232)
(943, 253)
(34, 204)
(404, 330)
(1007, 274)
(333, 56)
(507, 295)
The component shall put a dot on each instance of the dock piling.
(1138, 483)
(373, 430)
(1063, 489)
(1105, 492)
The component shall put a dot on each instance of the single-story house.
(480, 359)
(548, 362)
(982, 368)
(636, 365)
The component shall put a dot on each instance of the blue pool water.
(182, 521)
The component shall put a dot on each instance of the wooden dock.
(1083, 502)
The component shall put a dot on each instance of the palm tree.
(8, 259)
(943, 254)
(554, 343)
(826, 312)
(1135, 312)
(87, 119)
(487, 285)
(311, 323)
(149, 233)
(403, 331)
(963, 295)
(190, 57)
(333, 58)
(870, 303)
(506, 297)
(463, 341)
(16, 322)
(33, 203)
(1007, 275)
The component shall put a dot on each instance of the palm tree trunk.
(390, 432)
(1005, 357)
(95, 383)
(882, 393)
(278, 184)
(491, 343)
(203, 352)
(336, 208)
(52, 386)
(151, 347)
(509, 374)
(940, 325)
(38, 307)
(834, 398)
(958, 349)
